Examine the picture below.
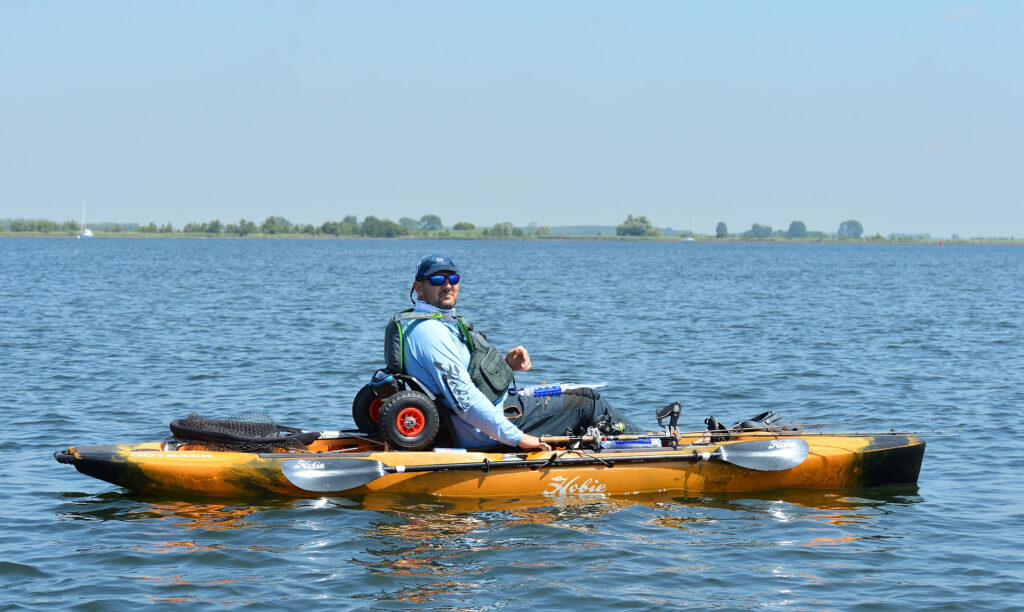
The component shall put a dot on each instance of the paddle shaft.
(763, 455)
(604, 460)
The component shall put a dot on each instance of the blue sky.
(903, 115)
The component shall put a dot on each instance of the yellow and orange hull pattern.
(835, 461)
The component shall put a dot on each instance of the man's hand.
(518, 359)
(530, 442)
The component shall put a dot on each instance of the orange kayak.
(347, 463)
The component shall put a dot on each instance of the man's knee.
(579, 397)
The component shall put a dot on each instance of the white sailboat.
(86, 232)
(690, 237)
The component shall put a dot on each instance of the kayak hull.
(833, 461)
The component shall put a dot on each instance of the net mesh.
(247, 432)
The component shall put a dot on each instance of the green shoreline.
(557, 238)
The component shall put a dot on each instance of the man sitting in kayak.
(459, 366)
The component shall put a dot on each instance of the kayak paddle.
(763, 455)
(335, 475)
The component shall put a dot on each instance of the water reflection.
(820, 518)
(822, 500)
(204, 513)
(430, 592)
(453, 549)
(181, 581)
(435, 549)
(183, 514)
(407, 550)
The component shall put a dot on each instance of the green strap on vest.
(394, 337)
(487, 368)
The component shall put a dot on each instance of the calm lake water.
(107, 341)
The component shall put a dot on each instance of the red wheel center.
(410, 421)
(375, 410)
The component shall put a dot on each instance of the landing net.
(249, 432)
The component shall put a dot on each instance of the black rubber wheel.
(409, 420)
(366, 411)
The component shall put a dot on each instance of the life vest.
(487, 367)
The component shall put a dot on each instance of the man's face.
(443, 296)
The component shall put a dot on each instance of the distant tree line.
(273, 225)
(278, 226)
(45, 226)
(641, 226)
(797, 229)
(370, 226)
(40, 226)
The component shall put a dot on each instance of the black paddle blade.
(764, 455)
(331, 475)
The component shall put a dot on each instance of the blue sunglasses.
(438, 279)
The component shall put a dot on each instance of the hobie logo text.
(560, 486)
(307, 464)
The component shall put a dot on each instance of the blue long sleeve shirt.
(436, 355)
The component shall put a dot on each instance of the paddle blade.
(764, 455)
(331, 475)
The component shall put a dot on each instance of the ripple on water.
(109, 341)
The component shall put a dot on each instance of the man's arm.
(439, 355)
(518, 359)
(528, 442)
